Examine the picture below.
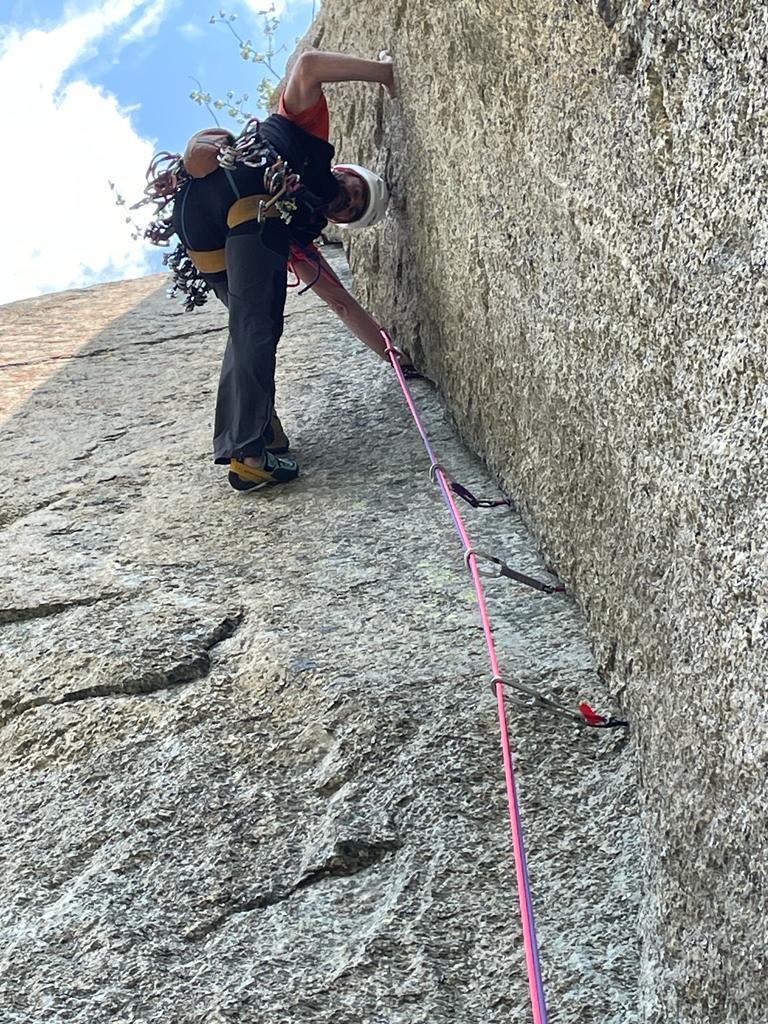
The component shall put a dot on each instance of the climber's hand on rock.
(385, 57)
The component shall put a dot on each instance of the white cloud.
(191, 30)
(60, 222)
(149, 21)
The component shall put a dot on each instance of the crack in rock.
(108, 351)
(181, 337)
(57, 359)
(302, 312)
(116, 436)
(11, 515)
(189, 670)
(348, 857)
(9, 616)
(267, 899)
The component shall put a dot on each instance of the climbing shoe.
(275, 471)
(275, 438)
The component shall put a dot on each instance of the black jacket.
(311, 158)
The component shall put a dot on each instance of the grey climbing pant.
(253, 288)
(251, 264)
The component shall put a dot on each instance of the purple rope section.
(530, 938)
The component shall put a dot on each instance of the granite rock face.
(576, 251)
(249, 763)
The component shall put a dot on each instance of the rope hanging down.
(530, 939)
(529, 697)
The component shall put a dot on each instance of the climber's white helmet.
(378, 196)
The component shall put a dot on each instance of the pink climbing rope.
(530, 939)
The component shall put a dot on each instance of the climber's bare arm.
(346, 308)
(313, 68)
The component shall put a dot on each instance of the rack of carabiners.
(252, 149)
(521, 693)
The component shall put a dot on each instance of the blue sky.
(105, 84)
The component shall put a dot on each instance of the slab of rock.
(249, 756)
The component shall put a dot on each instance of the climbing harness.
(253, 150)
(523, 695)
(167, 177)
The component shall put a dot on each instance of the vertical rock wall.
(576, 251)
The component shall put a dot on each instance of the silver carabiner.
(488, 573)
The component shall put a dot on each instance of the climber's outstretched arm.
(346, 308)
(313, 68)
(328, 287)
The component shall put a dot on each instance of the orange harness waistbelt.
(209, 261)
(250, 208)
(212, 261)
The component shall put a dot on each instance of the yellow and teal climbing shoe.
(275, 471)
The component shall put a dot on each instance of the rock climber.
(242, 215)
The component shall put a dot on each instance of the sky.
(88, 92)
